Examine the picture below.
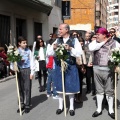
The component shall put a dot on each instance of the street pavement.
(44, 108)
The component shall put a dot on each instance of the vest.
(87, 52)
(101, 55)
(71, 42)
(25, 56)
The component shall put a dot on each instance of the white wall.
(17, 11)
(31, 15)
(46, 1)
(54, 18)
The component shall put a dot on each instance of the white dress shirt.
(94, 45)
(75, 52)
(41, 54)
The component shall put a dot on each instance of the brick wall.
(82, 12)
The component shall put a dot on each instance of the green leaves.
(13, 58)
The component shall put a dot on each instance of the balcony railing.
(97, 13)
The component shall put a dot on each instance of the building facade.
(113, 11)
(28, 18)
(55, 16)
(82, 15)
(101, 13)
(87, 14)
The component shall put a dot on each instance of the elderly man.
(72, 85)
(89, 67)
(102, 75)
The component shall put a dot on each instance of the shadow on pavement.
(84, 97)
(105, 103)
(118, 104)
(36, 100)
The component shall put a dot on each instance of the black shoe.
(40, 90)
(96, 114)
(59, 111)
(88, 92)
(43, 89)
(72, 112)
(18, 111)
(27, 110)
(112, 115)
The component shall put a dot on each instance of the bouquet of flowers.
(13, 54)
(114, 58)
(14, 57)
(61, 52)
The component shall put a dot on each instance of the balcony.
(40, 5)
(97, 13)
(114, 10)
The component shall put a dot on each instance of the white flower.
(113, 50)
(116, 49)
(16, 53)
(117, 60)
(62, 48)
(10, 47)
(110, 58)
(10, 51)
(61, 52)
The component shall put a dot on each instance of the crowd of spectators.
(4, 64)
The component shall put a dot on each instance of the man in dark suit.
(113, 35)
(89, 68)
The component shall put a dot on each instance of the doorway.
(21, 29)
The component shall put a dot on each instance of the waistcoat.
(25, 53)
(101, 55)
(71, 41)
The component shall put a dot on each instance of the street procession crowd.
(86, 58)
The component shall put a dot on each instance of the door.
(4, 30)
(20, 28)
(37, 29)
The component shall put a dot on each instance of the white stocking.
(110, 103)
(60, 101)
(71, 99)
(99, 102)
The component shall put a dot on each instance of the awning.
(36, 4)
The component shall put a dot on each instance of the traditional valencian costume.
(71, 76)
(103, 77)
(71, 73)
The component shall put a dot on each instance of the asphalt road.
(44, 108)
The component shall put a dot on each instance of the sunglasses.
(39, 38)
(112, 31)
(74, 34)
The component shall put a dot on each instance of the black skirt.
(42, 65)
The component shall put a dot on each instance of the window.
(37, 29)
(55, 30)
